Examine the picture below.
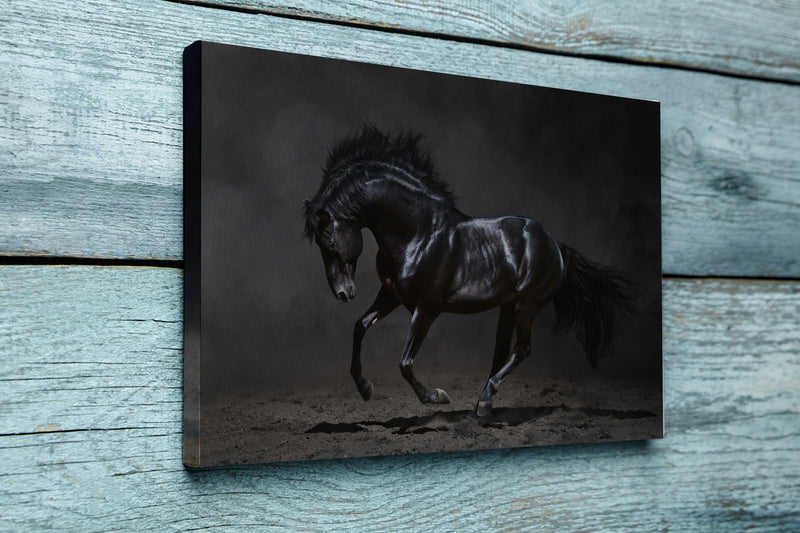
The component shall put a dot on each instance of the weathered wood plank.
(749, 38)
(90, 374)
(91, 158)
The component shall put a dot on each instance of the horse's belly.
(480, 295)
(466, 307)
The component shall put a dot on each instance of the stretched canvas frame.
(267, 350)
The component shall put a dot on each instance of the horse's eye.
(327, 246)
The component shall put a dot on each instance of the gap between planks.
(42, 260)
(53, 260)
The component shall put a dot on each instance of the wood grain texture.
(91, 130)
(748, 38)
(90, 429)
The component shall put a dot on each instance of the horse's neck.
(397, 212)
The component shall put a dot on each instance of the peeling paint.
(47, 428)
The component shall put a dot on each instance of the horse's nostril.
(342, 296)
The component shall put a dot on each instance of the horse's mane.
(370, 149)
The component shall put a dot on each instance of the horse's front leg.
(384, 304)
(420, 323)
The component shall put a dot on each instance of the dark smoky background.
(586, 166)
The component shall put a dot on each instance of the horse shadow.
(500, 418)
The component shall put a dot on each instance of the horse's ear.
(323, 217)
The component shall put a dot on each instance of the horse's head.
(340, 243)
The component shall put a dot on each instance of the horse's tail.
(587, 300)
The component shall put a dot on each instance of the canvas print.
(388, 261)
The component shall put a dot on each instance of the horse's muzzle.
(346, 295)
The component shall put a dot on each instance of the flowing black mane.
(371, 150)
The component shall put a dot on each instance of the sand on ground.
(333, 421)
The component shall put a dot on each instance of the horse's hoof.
(365, 389)
(440, 396)
(483, 408)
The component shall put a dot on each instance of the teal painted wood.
(749, 38)
(91, 137)
(90, 429)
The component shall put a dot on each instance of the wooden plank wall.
(91, 286)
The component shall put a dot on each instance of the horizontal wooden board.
(748, 38)
(90, 429)
(92, 130)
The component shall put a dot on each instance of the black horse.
(432, 258)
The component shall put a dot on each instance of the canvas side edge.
(192, 153)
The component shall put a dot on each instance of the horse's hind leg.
(523, 318)
(420, 323)
(505, 329)
(384, 304)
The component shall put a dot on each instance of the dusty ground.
(335, 422)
